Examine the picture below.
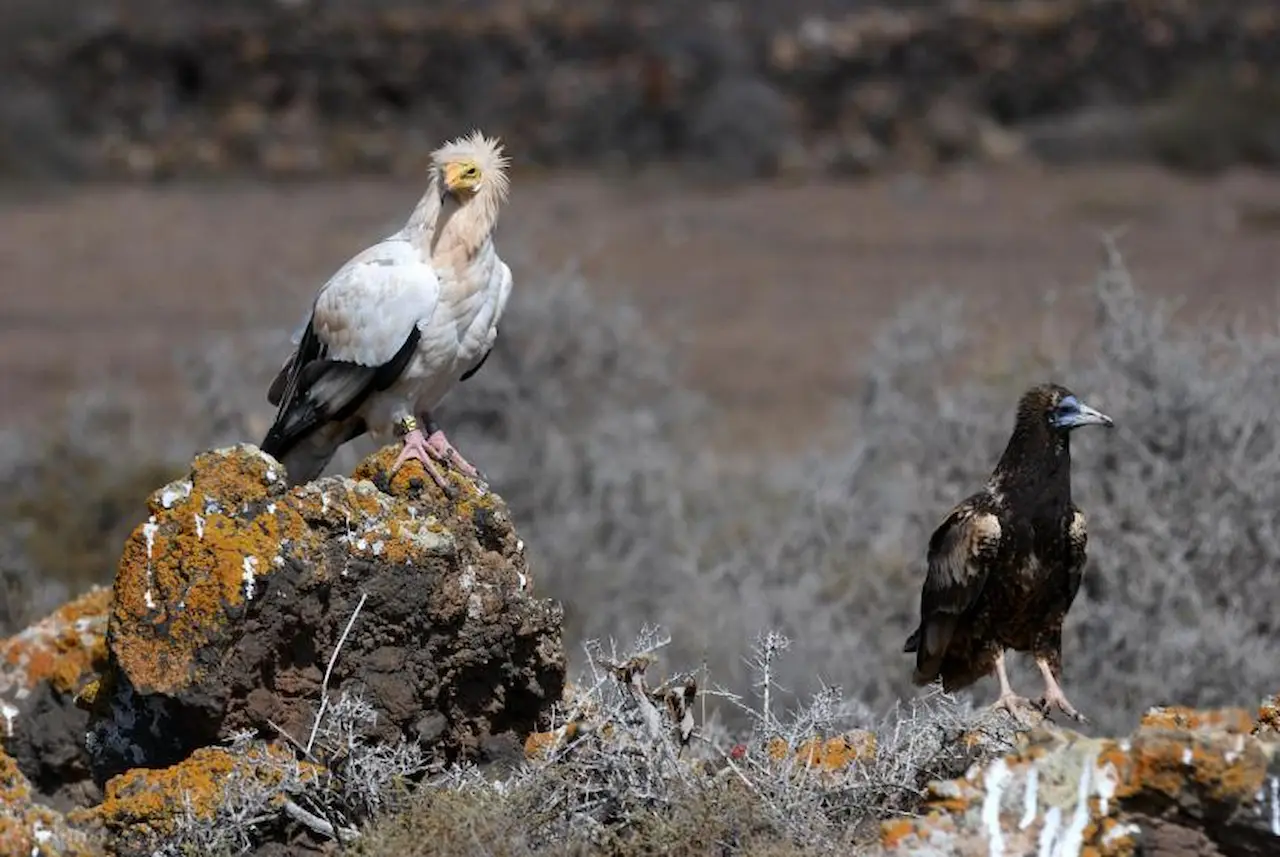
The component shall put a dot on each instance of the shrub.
(629, 769)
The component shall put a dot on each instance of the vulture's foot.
(1053, 695)
(1014, 705)
(1054, 698)
(416, 447)
(445, 451)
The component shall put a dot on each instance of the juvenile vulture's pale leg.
(416, 447)
(445, 451)
(1053, 695)
(1008, 701)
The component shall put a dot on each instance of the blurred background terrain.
(782, 270)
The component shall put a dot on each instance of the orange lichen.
(14, 788)
(949, 796)
(1230, 720)
(827, 755)
(29, 828)
(152, 801)
(895, 831)
(1112, 838)
(411, 482)
(63, 649)
(206, 545)
(542, 744)
(1226, 768)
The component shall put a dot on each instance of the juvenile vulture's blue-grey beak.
(1072, 413)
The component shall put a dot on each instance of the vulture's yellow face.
(462, 178)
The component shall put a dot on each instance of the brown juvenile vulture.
(1006, 563)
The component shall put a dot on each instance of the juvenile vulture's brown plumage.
(1006, 563)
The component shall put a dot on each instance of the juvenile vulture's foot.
(1053, 695)
(1055, 698)
(445, 451)
(1009, 701)
(416, 447)
(1014, 705)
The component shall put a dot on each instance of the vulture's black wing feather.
(961, 552)
(476, 368)
(313, 389)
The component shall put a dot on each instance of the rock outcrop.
(42, 670)
(29, 828)
(238, 600)
(146, 809)
(1185, 783)
(296, 89)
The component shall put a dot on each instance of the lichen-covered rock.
(1268, 717)
(231, 599)
(146, 808)
(41, 671)
(1186, 782)
(28, 829)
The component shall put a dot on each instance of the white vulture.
(400, 324)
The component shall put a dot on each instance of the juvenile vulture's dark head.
(1059, 408)
(1039, 451)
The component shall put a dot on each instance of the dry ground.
(774, 285)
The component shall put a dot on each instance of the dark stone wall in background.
(742, 89)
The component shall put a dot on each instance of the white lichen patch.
(212, 506)
(271, 474)
(1029, 798)
(524, 580)
(1072, 842)
(1049, 833)
(1120, 831)
(271, 508)
(378, 547)
(1233, 755)
(519, 545)
(149, 530)
(1188, 757)
(9, 714)
(996, 779)
(250, 577)
(426, 541)
(1107, 778)
(173, 492)
(199, 526)
(361, 544)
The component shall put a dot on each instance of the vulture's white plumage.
(399, 324)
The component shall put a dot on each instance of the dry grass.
(633, 773)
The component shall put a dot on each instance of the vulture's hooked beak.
(1073, 413)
